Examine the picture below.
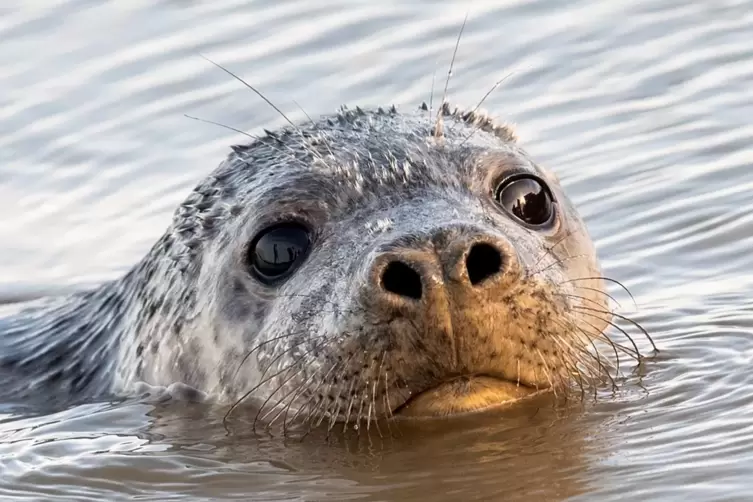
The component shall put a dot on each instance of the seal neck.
(60, 351)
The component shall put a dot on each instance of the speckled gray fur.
(367, 182)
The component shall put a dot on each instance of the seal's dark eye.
(277, 250)
(528, 199)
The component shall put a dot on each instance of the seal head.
(360, 266)
(353, 268)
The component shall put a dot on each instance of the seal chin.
(463, 395)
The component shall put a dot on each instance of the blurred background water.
(639, 107)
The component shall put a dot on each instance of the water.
(640, 107)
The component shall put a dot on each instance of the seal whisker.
(571, 347)
(572, 369)
(327, 390)
(480, 123)
(627, 319)
(548, 250)
(368, 413)
(310, 406)
(279, 401)
(288, 350)
(598, 335)
(372, 405)
(316, 128)
(359, 418)
(266, 342)
(269, 102)
(313, 124)
(336, 308)
(578, 297)
(224, 126)
(387, 406)
(596, 355)
(488, 93)
(438, 128)
(558, 262)
(545, 367)
(302, 368)
(312, 411)
(341, 379)
(374, 386)
(264, 380)
(289, 151)
(350, 405)
(334, 416)
(590, 338)
(581, 376)
(252, 88)
(365, 393)
(571, 350)
(598, 291)
(614, 325)
(616, 357)
(303, 387)
(324, 409)
(322, 412)
(577, 365)
(616, 345)
(431, 93)
(608, 279)
(386, 395)
(291, 399)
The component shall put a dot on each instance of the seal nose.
(409, 273)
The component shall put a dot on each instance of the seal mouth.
(465, 394)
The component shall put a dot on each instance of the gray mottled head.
(416, 274)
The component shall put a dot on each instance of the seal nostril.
(400, 279)
(483, 261)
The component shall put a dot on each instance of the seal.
(364, 265)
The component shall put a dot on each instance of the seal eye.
(526, 198)
(276, 251)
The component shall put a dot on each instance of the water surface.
(642, 108)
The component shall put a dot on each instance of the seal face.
(358, 267)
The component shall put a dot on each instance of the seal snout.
(458, 340)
